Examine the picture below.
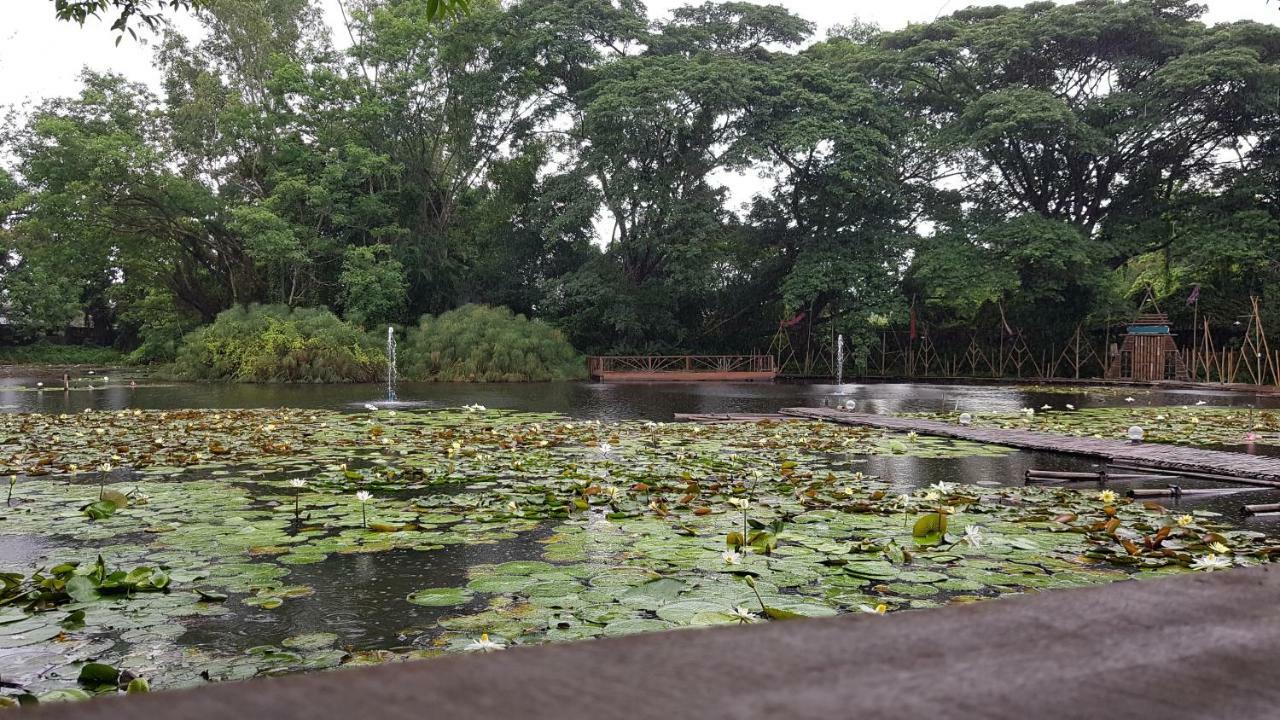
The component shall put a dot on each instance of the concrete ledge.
(1194, 646)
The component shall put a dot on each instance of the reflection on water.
(603, 401)
(20, 553)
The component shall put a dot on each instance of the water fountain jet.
(839, 359)
(391, 364)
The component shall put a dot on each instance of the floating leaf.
(439, 597)
(96, 674)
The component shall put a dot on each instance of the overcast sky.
(41, 57)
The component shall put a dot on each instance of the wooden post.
(1077, 375)
(1195, 324)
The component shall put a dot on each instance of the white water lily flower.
(1128, 399)
(484, 644)
(943, 487)
(1185, 520)
(1219, 547)
(474, 408)
(743, 615)
(932, 495)
(1211, 562)
(912, 436)
(1107, 496)
(364, 496)
(39, 384)
(740, 503)
(1070, 406)
(604, 448)
(731, 557)
(877, 610)
(1201, 402)
(371, 407)
(973, 536)
(1046, 406)
(105, 467)
(298, 483)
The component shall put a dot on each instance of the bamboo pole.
(1063, 474)
(1175, 491)
(1258, 482)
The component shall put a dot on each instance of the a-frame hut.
(1148, 352)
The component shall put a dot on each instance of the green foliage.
(980, 168)
(273, 343)
(69, 582)
(160, 326)
(373, 286)
(44, 353)
(149, 14)
(482, 344)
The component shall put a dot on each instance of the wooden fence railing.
(659, 364)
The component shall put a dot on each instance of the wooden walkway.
(1213, 464)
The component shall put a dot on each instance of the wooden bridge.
(1191, 461)
(682, 368)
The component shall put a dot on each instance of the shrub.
(476, 343)
(274, 343)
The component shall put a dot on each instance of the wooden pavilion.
(1148, 351)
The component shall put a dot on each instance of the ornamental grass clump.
(274, 343)
(476, 343)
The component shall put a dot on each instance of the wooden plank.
(730, 417)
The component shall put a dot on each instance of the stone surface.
(1193, 646)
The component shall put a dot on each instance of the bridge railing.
(681, 363)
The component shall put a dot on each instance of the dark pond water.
(361, 597)
(602, 401)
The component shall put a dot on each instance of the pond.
(588, 400)
(182, 546)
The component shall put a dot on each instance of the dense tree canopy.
(568, 159)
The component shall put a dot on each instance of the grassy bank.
(48, 354)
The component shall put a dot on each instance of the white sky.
(41, 57)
